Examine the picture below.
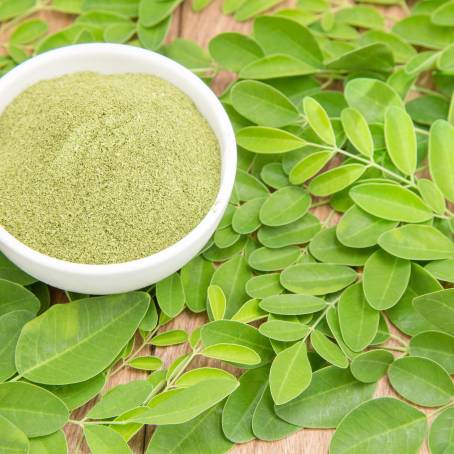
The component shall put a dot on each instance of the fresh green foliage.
(335, 107)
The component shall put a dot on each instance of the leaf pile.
(332, 109)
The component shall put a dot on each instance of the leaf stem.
(398, 339)
(422, 131)
(136, 353)
(365, 161)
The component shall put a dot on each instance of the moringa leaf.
(398, 427)
(421, 381)
(357, 131)
(263, 140)
(441, 432)
(290, 373)
(332, 394)
(67, 339)
(12, 439)
(263, 104)
(370, 366)
(34, 410)
(391, 202)
(170, 295)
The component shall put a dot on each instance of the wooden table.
(201, 27)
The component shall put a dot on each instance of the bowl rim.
(228, 165)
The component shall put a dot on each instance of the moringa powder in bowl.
(101, 169)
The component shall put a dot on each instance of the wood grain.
(201, 27)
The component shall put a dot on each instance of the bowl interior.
(110, 59)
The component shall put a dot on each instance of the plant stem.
(397, 349)
(320, 318)
(441, 409)
(369, 163)
(398, 339)
(136, 353)
(422, 131)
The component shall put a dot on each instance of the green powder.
(105, 169)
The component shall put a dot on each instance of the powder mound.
(104, 169)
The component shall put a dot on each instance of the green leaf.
(204, 430)
(78, 394)
(195, 278)
(11, 272)
(417, 242)
(442, 269)
(32, 409)
(317, 278)
(124, 7)
(358, 321)
(266, 425)
(438, 309)
(264, 259)
(232, 332)
(332, 393)
(249, 187)
(292, 304)
(264, 285)
(297, 232)
(154, 11)
(11, 325)
(290, 373)
(28, 31)
(370, 366)
(278, 35)
(217, 301)
(284, 206)
(441, 162)
(249, 312)
(427, 109)
(391, 202)
(14, 297)
(170, 295)
(188, 53)
(319, 121)
(233, 51)
(259, 139)
(420, 31)
(251, 8)
(371, 97)
(153, 38)
(441, 435)
(421, 381)
(401, 50)
(434, 345)
(102, 439)
(443, 15)
(325, 247)
(64, 37)
(357, 131)
(146, 363)
(241, 404)
(226, 237)
(378, 56)
(13, 8)
(283, 330)
(309, 166)
(385, 279)
(73, 342)
(51, 444)
(431, 195)
(358, 229)
(361, 16)
(328, 350)
(12, 439)
(170, 337)
(68, 6)
(246, 218)
(273, 175)
(263, 104)
(397, 428)
(276, 66)
(201, 374)
(403, 314)
(232, 277)
(400, 138)
(120, 399)
(336, 179)
(180, 405)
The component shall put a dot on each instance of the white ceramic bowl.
(109, 59)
